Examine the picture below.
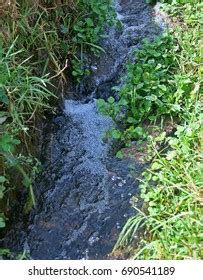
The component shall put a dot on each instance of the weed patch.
(166, 82)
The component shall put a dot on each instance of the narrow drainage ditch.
(83, 194)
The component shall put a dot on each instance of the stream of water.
(83, 195)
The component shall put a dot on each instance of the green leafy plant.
(170, 223)
(57, 34)
(149, 87)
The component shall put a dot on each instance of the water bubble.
(113, 178)
(86, 253)
(94, 68)
(118, 226)
(93, 238)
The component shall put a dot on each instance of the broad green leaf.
(2, 223)
(7, 143)
(119, 155)
(3, 97)
(90, 22)
(156, 165)
(116, 134)
(2, 179)
(111, 99)
(171, 155)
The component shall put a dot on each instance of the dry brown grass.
(10, 7)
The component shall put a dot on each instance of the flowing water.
(83, 195)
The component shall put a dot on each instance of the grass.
(57, 33)
(22, 93)
(166, 82)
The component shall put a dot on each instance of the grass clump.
(166, 82)
(58, 33)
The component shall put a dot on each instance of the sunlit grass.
(170, 225)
